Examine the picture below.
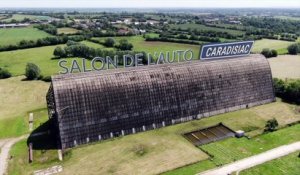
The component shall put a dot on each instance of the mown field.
(15, 35)
(164, 149)
(15, 61)
(285, 66)
(139, 44)
(67, 30)
(280, 46)
(203, 27)
(289, 164)
(20, 17)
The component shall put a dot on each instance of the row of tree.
(53, 40)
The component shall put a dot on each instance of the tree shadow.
(44, 137)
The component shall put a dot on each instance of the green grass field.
(15, 35)
(280, 46)
(20, 17)
(285, 66)
(203, 27)
(233, 149)
(67, 30)
(139, 44)
(289, 164)
(164, 149)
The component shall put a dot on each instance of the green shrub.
(4, 73)
(294, 49)
(32, 71)
(269, 53)
(47, 78)
(271, 125)
(109, 42)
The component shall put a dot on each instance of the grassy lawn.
(285, 66)
(233, 149)
(280, 46)
(139, 44)
(203, 27)
(67, 30)
(16, 98)
(164, 149)
(15, 35)
(289, 164)
(15, 61)
(20, 17)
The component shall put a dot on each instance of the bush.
(109, 42)
(124, 45)
(47, 78)
(4, 73)
(32, 71)
(289, 90)
(59, 52)
(271, 125)
(294, 49)
(269, 53)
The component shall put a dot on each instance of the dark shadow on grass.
(43, 137)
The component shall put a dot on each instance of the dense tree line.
(294, 49)
(49, 28)
(75, 49)
(164, 39)
(24, 44)
(287, 90)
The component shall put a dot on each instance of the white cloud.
(151, 3)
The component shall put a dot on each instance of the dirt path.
(254, 160)
(5, 146)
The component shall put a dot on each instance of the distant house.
(122, 32)
(14, 25)
(152, 22)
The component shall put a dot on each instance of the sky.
(151, 3)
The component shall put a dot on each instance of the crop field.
(15, 35)
(139, 44)
(289, 164)
(20, 17)
(203, 27)
(285, 66)
(280, 46)
(67, 30)
(165, 149)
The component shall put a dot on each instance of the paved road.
(5, 146)
(254, 160)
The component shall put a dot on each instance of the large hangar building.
(88, 107)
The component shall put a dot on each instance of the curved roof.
(126, 98)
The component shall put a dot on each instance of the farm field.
(20, 17)
(41, 56)
(139, 44)
(15, 35)
(285, 66)
(203, 27)
(67, 30)
(280, 46)
(164, 149)
(289, 164)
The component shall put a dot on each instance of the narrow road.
(254, 160)
(5, 146)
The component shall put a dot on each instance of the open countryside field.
(164, 149)
(20, 17)
(289, 164)
(16, 98)
(285, 66)
(67, 30)
(203, 27)
(15, 61)
(280, 46)
(139, 44)
(15, 35)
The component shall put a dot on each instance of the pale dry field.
(285, 66)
